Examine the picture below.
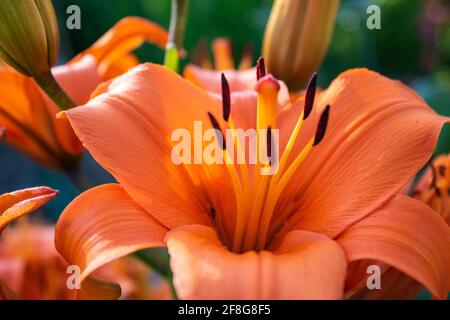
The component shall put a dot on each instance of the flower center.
(257, 195)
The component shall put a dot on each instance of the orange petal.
(379, 136)
(93, 288)
(24, 115)
(138, 112)
(19, 203)
(407, 235)
(306, 266)
(127, 35)
(209, 80)
(121, 66)
(79, 80)
(395, 286)
(104, 224)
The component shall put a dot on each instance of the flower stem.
(51, 87)
(158, 261)
(176, 34)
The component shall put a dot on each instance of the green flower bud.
(29, 36)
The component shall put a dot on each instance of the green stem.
(176, 34)
(158, 261)
(51, 87)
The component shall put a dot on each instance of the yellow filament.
(273, 197)
(242, 217)
(242, 166)
(287, 150)
(252, 224)
(239, 200)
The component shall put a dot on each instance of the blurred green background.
(413, 45)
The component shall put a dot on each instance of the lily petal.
(102, 225)
(139, 112)
(93, 288)
(407, 235)
(306, 266)
(128, 34)
(19, 203)
(379, 136)
(24, 115)
(209, 80)
(79, 80)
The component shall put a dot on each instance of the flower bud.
(297, 38)
(29, 36)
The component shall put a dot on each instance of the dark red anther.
(216, 126)
(260, 68)
(269, 142)
(322, 127)
(310, 96)
(226, 98)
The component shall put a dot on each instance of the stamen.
(322, 127)
(237, 186)
(276, 188)
(247, 57)
(269, 142)
(201, 55)
(223, 56)
(260, 69)
(275, 194)
(310, 96)
(226, 98)
(216, 126)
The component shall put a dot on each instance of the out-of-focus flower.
(29, 116)
(433, 188)
(30, 265)
(297, 38)
(329, 204)
(29, 36)
(206, 74)
(112, 51)
(15, 205)
(31, 268)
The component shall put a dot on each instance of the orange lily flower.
(335, 200)
(433, 188)
(32, 269)
(29, 115)
(17, 204)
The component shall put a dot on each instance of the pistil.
(256, 200)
